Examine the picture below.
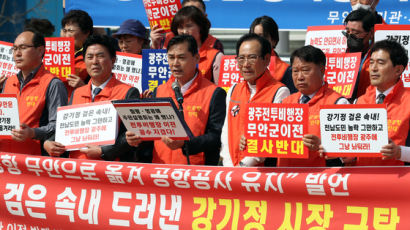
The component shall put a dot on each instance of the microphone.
(177, 91)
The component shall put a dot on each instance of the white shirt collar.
(102, 86)
(386, 92)
(252, 89)
(185, 87)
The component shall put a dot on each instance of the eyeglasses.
(21, 47)
(251, 59)
(69, 31)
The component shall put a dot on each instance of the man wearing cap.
(131, 36)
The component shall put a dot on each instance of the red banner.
(229, 72)
(341, 72)
(42, 192)
(59, 57)
(161, 12)
(276, 130)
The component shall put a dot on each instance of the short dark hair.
(266, 47)
(42, 25)
(398, 54)
(270, 28)
(195, 15)
(192, 46)
(309, 54)
(38, 38)
(367, 18)
(82, 18)
(104, 40)
(200, 1)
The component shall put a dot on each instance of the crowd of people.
(194, 57)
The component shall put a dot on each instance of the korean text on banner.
(127, 68)
(341, 72)
(57, 193)
(276, 130)
(152, 119)
(400, 34)
(92, 123)
(59, 57)
(155, 68)
(7, 65)
(229, 72)
(161, 12)
(353, 130)
(9, 115)
(327, 38)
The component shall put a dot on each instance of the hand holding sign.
(23, 133)
(132, 138)
(55, 149)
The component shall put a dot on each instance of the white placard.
(9, 115)
(327, 38)
(86, 124)
(7, 65)
(128, 69)
(400, 34)
(353, 130)
(152, 120)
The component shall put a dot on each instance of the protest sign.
(86, 124)
(58, 193)
(400, 34)
(155, 68)
(9, 115)
(353, 130)
(59, 56)
(152, 119)
(327, 38)
(7, 65)
(127, 68)
(341, 72)
(229, 72)
(161, 12)
(276, 130)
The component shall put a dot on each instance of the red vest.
(196, 104)
(398, 118)
(31, 101)
(266, 88)
(80, 70)
(277, 67)
(325, 96)
(114, 90)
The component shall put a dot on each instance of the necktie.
(304, 99)
(95, 92)
(380, 98)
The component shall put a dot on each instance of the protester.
(132, 36)
(368, 5)
(39, 94)
(203, 109)
(78, 25)
(253, 57)
(359, 31)
(266, 27)
(308, 69)
(157, 33)
(41, 25)
(99, 56)
(388, 61)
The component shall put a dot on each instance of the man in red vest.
(99, 56)
(203, 109)
(39, 93)
(308, 69)
(388, 61)
(253, 57)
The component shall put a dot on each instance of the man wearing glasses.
(253, 57)
(39, 93)
(359, 31)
